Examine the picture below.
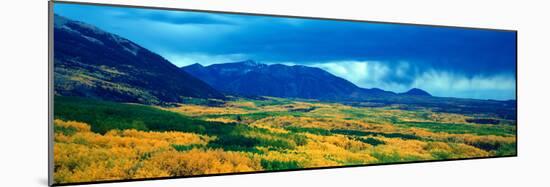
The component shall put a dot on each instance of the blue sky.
(449, 62)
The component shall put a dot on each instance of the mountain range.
(249, 78)
(94, 63)
(278, 80)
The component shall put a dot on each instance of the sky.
(446, 62)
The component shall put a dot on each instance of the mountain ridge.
(91, 62)
(297, 81)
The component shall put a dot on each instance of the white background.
(23, 99)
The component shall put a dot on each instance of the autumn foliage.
(248, 135)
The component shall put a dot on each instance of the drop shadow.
(42, 181)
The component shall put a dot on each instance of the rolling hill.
(416, 92)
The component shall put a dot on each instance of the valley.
(102, 140)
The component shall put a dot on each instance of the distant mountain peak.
(416, 92)
(247, 64)
(195, 65)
